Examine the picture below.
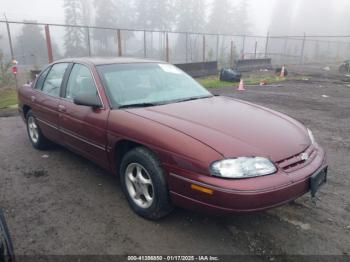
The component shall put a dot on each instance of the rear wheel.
(35, 135)
(144, 185)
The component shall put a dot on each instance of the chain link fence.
(34, 45)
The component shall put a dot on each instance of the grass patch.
(8, 98)
(214, 82)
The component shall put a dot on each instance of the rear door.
(83, 128)
(45, 99)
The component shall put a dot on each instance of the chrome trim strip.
(46, 123)
(70, 134)
(65, 131)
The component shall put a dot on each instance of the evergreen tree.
(155, 14)
(220, 19)
(114, 13)
(226, 18)
(191, 18)
(75, 39)
(241, 24)
(30, 45)
(6, 78)
(87, 14)
(191, 15)
(105, 17)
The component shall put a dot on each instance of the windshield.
(147, 84)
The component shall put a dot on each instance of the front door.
(83, 128)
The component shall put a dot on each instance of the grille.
(296, 162)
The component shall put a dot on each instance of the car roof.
(108, 60)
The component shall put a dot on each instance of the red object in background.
(14, 70)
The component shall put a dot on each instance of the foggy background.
(276, 16)
(318, 19)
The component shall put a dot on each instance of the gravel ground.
(59, 203)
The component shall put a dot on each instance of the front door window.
(80, 82)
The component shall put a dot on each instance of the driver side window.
(80, 82)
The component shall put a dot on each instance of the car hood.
(232, 127)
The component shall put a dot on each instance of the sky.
(50, 11)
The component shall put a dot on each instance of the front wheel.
(37, 139)
(144, 185)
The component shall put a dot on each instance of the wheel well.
(25, 110)
(121, 148)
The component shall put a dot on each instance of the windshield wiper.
(138, 105)
(191, 98)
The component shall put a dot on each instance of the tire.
(148, 194)
(37, 139)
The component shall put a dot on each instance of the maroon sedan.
(170, 140)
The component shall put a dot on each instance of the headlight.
(243, 167)
(311, 136)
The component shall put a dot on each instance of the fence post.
(338, 50)
(144, 44)
(88, 40)
(285, 47)
(203, 47)
(217, 47)
(231, 55)
(302, 50)
(48, 43)
(186, 48)
(243, 47)
(167, 57)
(255, 47)
(267, 43)
(119, 36)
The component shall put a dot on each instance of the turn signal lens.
(202, 189)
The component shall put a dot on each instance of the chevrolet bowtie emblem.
(304, 156)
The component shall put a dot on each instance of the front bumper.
(243, 195)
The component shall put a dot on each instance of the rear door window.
(41, 78)
(53, 81)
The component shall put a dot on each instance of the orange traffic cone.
(282, 72)
(241, 86)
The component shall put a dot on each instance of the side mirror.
(87, 99)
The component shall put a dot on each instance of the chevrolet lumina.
(171, 141)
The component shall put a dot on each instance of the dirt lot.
(59, 203)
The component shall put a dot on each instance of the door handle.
(33, 98)
(61, 108)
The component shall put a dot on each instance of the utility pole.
(11, 47)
